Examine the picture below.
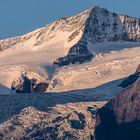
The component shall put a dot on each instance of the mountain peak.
(100, 26)
(99, 9)
(92, 26)
(96, 7)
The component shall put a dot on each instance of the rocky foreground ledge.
(47, 116)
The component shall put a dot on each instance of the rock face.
(138, 69)
(120, 118)
(78, 53)
(131, 79)
(132, 27)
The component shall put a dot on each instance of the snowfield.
(106, 67)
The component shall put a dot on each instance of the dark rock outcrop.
(29, 85)
(119, 119)
(131, 79)
(78, 53)
(138, 69)
(46, 117)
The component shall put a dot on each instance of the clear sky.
(18, 17)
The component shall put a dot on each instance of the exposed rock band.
(25, 85)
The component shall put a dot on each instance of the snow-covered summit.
(102, 26)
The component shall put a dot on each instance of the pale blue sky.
(18, 17)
